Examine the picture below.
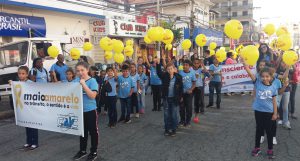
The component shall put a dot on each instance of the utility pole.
(158, 24)
(192, 23)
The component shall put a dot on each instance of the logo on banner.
(18, 93)
(67, 122)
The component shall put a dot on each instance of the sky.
(277, 11)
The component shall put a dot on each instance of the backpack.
(296, 73)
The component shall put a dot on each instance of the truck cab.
(15, 54)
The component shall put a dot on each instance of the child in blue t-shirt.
(141, 92)
(125, 90)
(31, 133)
(110, 96)
(215, 83)
(90, 115)
(265, 107)
(189, 83)
(136, 87)
(200, 74)
(155, 83)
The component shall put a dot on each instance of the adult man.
(58, 70)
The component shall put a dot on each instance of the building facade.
(241, 10)
(72, 23)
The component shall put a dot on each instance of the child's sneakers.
(256, 152)
(274, 141)
(32, 147)
(196, 120)
(270, 154)
(262, 139)
(92, 156)
(137, 115)
(80, 155)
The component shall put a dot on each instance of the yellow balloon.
(221, 55)
(233, 29)
(129, 42)
(212, 52)
(168, 47)
(186, 44)
(118, 46)
(212, 45)
(156, 33)
(269, 29)
(106, 44)
(108, 55)
(282, 31)
(53, 51)
(87, 46)
(250, 54)
(168, 36)
(128, 51)
(290, 57)
(147, 40)
(119, 58)
(75, 53)
(200, 40)
(284, 42)
(223, 48)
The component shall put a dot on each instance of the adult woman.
(265, 53)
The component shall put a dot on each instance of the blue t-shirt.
(135, 79)
(60, 70)
(154, 79)
(200, 76)
(113, 84)
(89, 104)
(171, 87)
(143, 78)
(216, 69)
(264, 96)
(41, 76)
(187, 80)
(125, 85)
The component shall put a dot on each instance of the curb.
(6, 114)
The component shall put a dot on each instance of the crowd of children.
(173, 90)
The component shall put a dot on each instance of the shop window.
(234, 14)
(13, 55)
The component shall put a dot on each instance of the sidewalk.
(5, 109)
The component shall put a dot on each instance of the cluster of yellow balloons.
(53, 51)
(233, 29)
(160, 34)
(290, 57)
(284, 40)
(250, 54)
(128, 50)
(109, 45)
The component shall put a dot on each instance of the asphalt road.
(222, 135)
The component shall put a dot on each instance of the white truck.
(15, 54)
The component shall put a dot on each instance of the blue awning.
(211, 34)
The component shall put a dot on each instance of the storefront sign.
(46, 106)
(98, 27)
(22, 26)
(126, 29)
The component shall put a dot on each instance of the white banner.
(234, 79)
(54, 107)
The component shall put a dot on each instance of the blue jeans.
(125, 108)
(141, 100)
(32, 137)
(284, 107)
(170, 114)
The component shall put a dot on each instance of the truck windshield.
(13, 55)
